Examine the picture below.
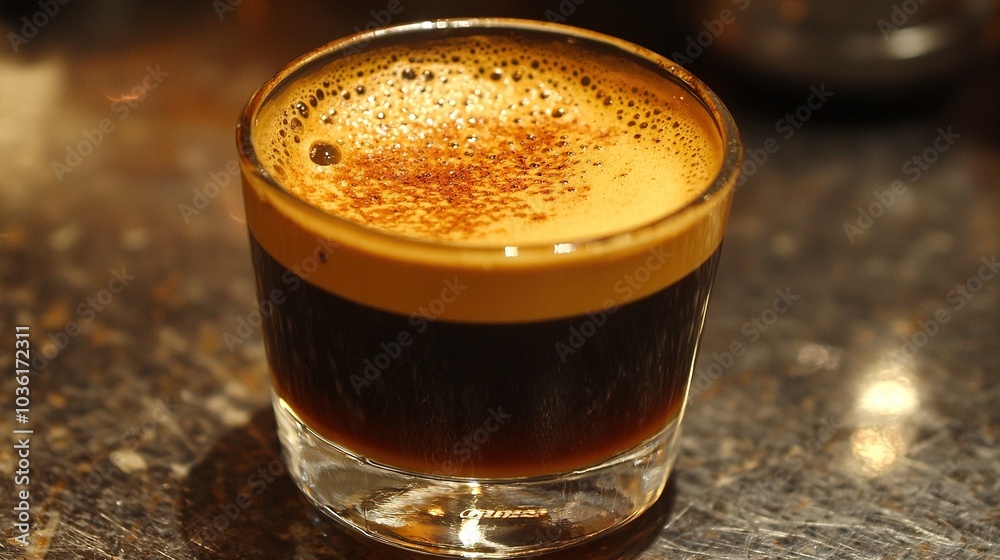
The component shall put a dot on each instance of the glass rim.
(724, 178)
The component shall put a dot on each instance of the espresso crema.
(495, 159)
(492, 141)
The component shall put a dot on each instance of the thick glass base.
(475, 518)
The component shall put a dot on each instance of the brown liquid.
(482, 400)
(444, 312)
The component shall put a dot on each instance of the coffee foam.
(489, 141)
(490, 160)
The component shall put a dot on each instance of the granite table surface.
(846, 403)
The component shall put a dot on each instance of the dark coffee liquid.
(483, 400)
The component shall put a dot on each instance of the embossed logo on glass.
(521, 513)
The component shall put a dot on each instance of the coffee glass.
(483, 251)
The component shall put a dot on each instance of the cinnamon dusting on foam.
(489, 141)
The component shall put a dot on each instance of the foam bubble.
(490, 141)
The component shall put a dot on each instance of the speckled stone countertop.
(846, 402)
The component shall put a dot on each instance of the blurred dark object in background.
(866, 49)
(111, 22)
(875, 54)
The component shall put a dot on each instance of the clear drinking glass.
(482, 399)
